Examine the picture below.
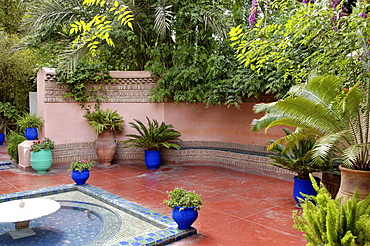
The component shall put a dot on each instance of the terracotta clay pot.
(352, 179)
(106, 147)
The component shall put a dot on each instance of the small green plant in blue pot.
(185, 205)
(80, 170)
(30, 124)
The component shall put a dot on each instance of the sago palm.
(295, 156)
(336, 116)
(153, 136)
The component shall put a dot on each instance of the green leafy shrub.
(8, 115)
(81, 165)
(184, 199)
(14, 139)
(326, 221)
(101, 120)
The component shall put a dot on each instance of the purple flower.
(363, 15)
(252, 17)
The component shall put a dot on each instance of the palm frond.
(163, 17)
(55, 12)
(264, 122)
(357, 156)
(328, 144)
(71, 57)
(218, 27)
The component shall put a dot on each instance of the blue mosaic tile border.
(168, 234)
(6, 165)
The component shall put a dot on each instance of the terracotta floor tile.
(198, 240)
(243, 232)
(235, 205)
(281, 215)
(240, 209)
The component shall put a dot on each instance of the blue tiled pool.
(91, 216)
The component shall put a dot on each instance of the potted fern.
(326, 221)
(185, 205)
(152, 138)
(30, 124)
(105, 123)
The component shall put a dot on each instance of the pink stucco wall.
(64, 122)
(217, 123)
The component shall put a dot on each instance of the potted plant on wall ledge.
(105, 123)
(296, 156)
(30, 124)
(185, 205)
(80, 171)
(151, 138)
(41, 155)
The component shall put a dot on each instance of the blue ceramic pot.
(80, 177)
(184, 218)
(41, 160)
(152, 158)
(31, 133)
(2, 138)
(305, 187)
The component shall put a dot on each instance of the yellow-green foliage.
(98, 29)
(326, 221)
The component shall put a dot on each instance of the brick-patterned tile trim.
(241, 157)
(126, 87)
(131, 87)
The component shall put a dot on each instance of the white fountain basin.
(20, 212)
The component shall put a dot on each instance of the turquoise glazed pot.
(41, 160)
(184, 218)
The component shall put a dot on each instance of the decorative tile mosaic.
(163, 228)
(6, 165)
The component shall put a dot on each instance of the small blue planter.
(80, 177)
(2, 138)
(305, 187)
(152, 158)
(31, 133)
(184, 218)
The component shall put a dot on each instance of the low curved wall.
(236, 156)
(217, 135)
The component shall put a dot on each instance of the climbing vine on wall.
(85, 84)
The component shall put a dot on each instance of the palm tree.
(336, 116)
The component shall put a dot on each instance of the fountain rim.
(169, 232)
